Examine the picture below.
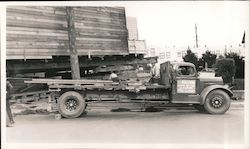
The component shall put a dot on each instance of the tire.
(217, 102)
(200, 108)
(71, 104)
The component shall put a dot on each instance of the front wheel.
(217, 102)
(71, 104)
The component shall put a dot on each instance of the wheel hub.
(217, 102)
(71, 104)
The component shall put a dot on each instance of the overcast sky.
(171, 23)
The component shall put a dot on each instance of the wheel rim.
(71, 104)
(216, 101)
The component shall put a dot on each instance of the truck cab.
(187, 87)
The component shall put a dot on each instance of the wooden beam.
(67, 81)
(41, 66)
(75, 70)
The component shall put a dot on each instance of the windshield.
(186, 71)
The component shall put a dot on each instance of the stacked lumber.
(42, 31)
(127, 73)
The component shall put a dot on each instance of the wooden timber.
(74, 63)
(65, 81)
(41, 31)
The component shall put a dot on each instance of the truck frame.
(179, 83)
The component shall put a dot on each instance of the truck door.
(185, 85)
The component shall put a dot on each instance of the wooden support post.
(75, 70)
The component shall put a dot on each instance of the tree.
(209, 58)
(239, 63)
(191, 57)
(225, 69)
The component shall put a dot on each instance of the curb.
(237, 104)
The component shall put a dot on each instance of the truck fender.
(210, 88)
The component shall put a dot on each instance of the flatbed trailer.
(71, 97)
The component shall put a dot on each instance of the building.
(172, 53)
(132, 28)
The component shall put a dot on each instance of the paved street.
(167, 127)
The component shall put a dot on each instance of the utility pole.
(196, 36)
(74, 63)
(225, 49)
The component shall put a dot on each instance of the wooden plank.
(39, 49)
(94, 18)
(35, 19)
(65, 81)
(10, 29)
(83, 87)
(21, 13)
(110, 31)
(37, 10)
(99, 28)
(50, 43)
(100, 13)
(56, 26)
(99, 36)
(93, 9)
(99, 25)
(35, 38)
(15, 57)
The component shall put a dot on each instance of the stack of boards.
(39, 32)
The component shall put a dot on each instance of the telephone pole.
(196, 36)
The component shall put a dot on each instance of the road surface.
(103, 127)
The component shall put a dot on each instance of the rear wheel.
(71, 104)
(217, 102)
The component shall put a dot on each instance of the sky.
(172, 23)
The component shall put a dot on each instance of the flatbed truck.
(179, 83)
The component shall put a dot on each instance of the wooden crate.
(41, 31)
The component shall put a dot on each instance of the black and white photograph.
(125, 74)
